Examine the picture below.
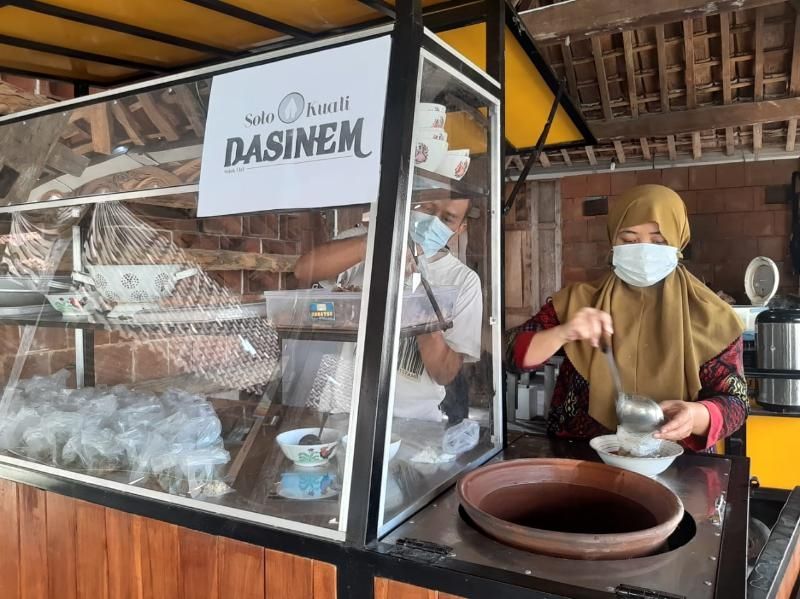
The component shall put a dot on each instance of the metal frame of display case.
(390, 215)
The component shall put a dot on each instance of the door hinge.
(625, 591)
(418, 550)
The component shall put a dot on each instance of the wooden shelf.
(53, 319)
(351, 335)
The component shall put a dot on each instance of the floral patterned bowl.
(429, 153)
(309, 456)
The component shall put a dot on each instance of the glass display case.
(216, 362)
(446, 392)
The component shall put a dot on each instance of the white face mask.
(644, 264)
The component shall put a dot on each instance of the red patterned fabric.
(724, 389)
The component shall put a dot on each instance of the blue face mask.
(430, 233)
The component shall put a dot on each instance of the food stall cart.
(183, 417)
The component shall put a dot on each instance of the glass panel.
(445, 389)
(175, 354)
(151, 140)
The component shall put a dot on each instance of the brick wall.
(730, 220)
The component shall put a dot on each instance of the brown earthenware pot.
(570, 508)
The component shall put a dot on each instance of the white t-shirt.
(418, 396)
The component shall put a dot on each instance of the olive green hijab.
(663, 334)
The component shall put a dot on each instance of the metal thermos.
(778, 348)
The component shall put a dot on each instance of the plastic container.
(320, 308)
(748, 314)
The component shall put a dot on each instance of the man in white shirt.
(428, 362)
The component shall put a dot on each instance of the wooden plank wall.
(56, 547)
(532, 267)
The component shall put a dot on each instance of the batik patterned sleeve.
(724, 393)
(520, 337)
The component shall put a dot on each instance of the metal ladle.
(635, 413)
(311, 438)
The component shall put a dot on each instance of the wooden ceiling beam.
(643, 143)
(663, 82)
(758, 75)
(590, 155)
(569, 70)
(757, 139)
(794, 76)
(544, 160)
(630, 72)
(730, 141)
(620, 152)
(758, 61)
(791, 133)
(673, 154)
(602, 78)
(697, 146)
(580, 19)
(794, 81)
(698, 119)
(725, 52)
(688, 62)
(565, 156)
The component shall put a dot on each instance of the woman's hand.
(588, 324)
(683, 419)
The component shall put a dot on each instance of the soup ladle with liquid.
(635, 413)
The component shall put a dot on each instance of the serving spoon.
(635, 413)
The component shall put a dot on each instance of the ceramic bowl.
(72, 304)
(394, 446)
(429, 153)
(431, 107)
(453, 166)
(427, 119)
(308, 485)
(607, 447)
(308, 456)
(430, 133)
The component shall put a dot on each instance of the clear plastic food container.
(321, 308)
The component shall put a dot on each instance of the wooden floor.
(56, 547)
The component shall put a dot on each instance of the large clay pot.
(570, 508)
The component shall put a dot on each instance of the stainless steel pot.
(778, 348)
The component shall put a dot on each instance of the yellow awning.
(528, 96)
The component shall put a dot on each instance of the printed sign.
(303, 132)
(322, 311)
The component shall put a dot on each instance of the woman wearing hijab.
(675, 341)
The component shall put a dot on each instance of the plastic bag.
(97, 451)
(640, 445)
(14, 426)
(35, 444)
(182, 472)
(140, 445)
(461, 437)
(57, 429)
(200, 468)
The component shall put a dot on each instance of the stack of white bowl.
(430, 143)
